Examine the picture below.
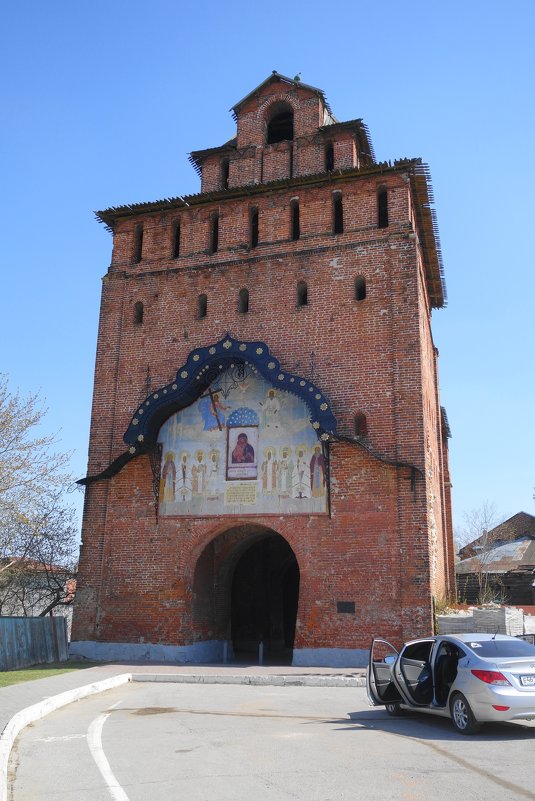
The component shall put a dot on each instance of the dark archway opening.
(264, 600)
(281, 127)
(245, 592)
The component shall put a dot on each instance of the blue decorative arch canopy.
(202, 367)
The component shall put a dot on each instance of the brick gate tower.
(268, 455)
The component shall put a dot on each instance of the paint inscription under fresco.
(243, 446)
(241, 494)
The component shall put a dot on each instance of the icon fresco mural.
(243, 447)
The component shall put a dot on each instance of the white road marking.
(94, 741)
(63, 738)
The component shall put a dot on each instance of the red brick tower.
(268, 454)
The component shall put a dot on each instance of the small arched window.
(253, 227)
(382, 208)
(302, 294)
(280, 127)
(329, 157)
(202, 306)
(176, 240)
(296, 226)
(338, 213)
(225, 167)
(361, 425)
(138, 313)
(243, 305)
(138, 243)
(360, 288)
(214, 233)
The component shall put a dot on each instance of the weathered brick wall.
(211, 174)
(344, 153)
(277, 161)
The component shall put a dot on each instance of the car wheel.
(394, 710)
(462, 716)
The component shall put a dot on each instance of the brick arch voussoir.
(256, 526)
(277, 100)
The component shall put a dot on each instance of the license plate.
(527, 681)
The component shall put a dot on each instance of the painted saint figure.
(269, 472)
(183, 488)
(243, 452)
(168, 480)
(212, 484)
(198, 474)
(301, 475)
(272, 408)
(285, 470)
(317, 473)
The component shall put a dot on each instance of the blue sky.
(102, 102)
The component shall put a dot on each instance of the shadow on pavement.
(428, 727)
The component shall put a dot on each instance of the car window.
(418, 650)
(382, 651)
(501, 648)
(448, 648)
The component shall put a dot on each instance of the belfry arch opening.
(246, 592)
(280, 125)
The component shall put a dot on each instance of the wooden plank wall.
(32, 640)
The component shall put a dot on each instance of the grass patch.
(9, 677)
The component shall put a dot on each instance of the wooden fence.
(32, 640)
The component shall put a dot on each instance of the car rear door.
(413, 674)
(380, 685)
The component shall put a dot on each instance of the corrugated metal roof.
(516, 555)
(520, 525)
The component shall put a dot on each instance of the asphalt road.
(141, 742)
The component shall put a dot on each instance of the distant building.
(505, 556)
(268, 456)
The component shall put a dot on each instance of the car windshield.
(502, 648)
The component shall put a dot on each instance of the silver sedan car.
(472, 678)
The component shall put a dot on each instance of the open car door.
(413, 673)
(380, 685)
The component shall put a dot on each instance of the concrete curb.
(48, 705)
(252, 680)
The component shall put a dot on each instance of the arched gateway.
(231, 497)
(246, 591)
